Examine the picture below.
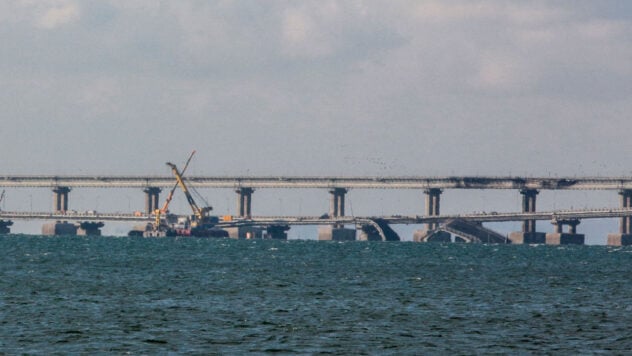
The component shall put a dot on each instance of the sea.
(169, 296)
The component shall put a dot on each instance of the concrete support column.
(572, 225)
(624, 237)
(59, 228)
(433, 205)
(337, 202)
(244, 202)
(559, 237)
(152, 198)
(528, 235)
(60, 199)
(558, 227)
(277, 232)
(89, 228)
(528, 206)
(625, 225)
(336, 209)
(4, 226)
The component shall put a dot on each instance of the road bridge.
(553, 216)
(344, 220)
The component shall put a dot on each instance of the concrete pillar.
(89, 228)
(528, 235)
(433, 208)
(559, 237)
(4, 226)
(559, 227)
(277, 232)
(244, 232)
(528, 206)
(337, 202)
(624, 237)
(244, 202)
(336, 233)
(626, 203)
(433, 205)
(60, 199)
(152, 198)
(59, 228)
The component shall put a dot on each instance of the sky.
(345, 88)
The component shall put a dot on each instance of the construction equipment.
(2, 198)
(200, 224)
(201, 214)
(165, 208)
(165, 224)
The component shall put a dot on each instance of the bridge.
(528, 187)
(473, 182)
(264, 221)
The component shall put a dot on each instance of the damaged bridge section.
(371, 232)
(464, 231)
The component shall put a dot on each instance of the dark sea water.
(204, 296)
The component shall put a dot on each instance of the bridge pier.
(276, 232)
(4, 226)
(336, 210)
(433, 204)
(624, 237)
(528, 235)
(244, 202)
(244, 232)
(59, 228)
(335, 233)
(60, 199)
(89, 228)
(559, 237)
(433, 208)
(152, 198)
(337, 202)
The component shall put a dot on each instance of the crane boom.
(199, 213)
(165, 207)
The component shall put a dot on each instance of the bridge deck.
(575, 183)
(315, 220)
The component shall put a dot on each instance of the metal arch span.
(454, 182)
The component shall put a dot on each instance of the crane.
(165, 207)
(200, 225)
(201, 214)
(2, 197)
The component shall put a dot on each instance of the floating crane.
(201, 214)
(201, 224)
(198, 225)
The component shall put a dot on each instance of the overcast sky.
(316, 87)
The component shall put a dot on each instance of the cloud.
(58, 13)
(412, 80)
(440, 11)
(500, 72)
